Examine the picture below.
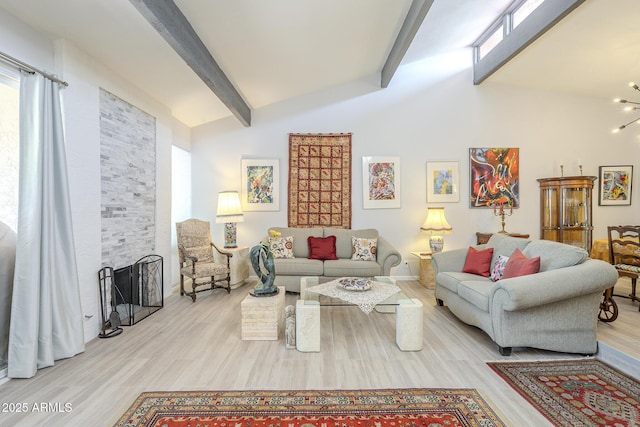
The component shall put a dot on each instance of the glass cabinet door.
(550, 214)
(575, 212)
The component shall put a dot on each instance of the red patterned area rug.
(375, 408)
(319, 180)
(580, 392)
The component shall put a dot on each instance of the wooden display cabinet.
(565, 210)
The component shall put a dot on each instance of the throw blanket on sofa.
(319, 180)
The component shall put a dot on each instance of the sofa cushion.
(348, 268)
(300, 246)
(298, 267)
(451, 279)
(344, 248)
(322, 248)
(281, 247)
(519, 265)
(476, 292)
(498, 268)
(555, 255)
(504, 244)
(363, 249)
(478, 261)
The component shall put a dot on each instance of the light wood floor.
(197, 346)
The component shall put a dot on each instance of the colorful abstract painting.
(615, 185)
(381, 182)
(442, 182)
(260, 185)
(494, 177)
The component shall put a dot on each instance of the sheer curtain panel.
(46, 316)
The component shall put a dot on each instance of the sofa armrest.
(533, 290)
(387, 256)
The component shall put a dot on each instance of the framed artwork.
(494, 177)
(615, 185)
(260, 185)
(381, 182)
(442, 182)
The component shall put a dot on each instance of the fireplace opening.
(134, 292)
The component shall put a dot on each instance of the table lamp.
(436, 224)
(229, 212)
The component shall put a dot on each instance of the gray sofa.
(289, 271)
(555, 309)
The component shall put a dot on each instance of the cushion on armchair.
(203, 253)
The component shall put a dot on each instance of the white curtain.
(46, 316)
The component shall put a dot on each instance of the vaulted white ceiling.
(279, 49)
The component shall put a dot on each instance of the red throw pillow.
(520, 265)
(478, 262)
(322, 248)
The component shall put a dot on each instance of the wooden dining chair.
(624, 252)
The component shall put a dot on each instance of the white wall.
(81, 109)
(430, 112)
(86, 77)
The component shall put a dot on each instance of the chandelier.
(632, 107)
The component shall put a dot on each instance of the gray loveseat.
(290, 271)
(555, 309)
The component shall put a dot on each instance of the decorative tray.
(355, 284)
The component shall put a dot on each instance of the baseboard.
(619, 360)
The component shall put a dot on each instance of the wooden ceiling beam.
(173, 26)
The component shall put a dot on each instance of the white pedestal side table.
(426, 277)
(239, 265)
(263, 317)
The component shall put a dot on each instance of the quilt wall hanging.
(319, 180)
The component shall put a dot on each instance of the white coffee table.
(409, 316)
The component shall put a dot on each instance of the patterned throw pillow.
(364, 249)
(281, 247)
(498, 268)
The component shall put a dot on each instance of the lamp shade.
(229, 209)
(436, 222)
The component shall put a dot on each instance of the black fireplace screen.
(135, 289)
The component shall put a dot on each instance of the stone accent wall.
(128, 175)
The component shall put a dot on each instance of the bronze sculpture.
(265, 287)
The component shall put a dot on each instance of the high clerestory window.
(513, 16)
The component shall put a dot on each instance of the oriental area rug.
(319, 180)
(375, 408)
(580, 392)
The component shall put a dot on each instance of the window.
(9, 148)
(510, 19)
(491, 42)
(180, 196)
(525, 10)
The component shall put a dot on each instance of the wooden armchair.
(197, 262)
(624, 253)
